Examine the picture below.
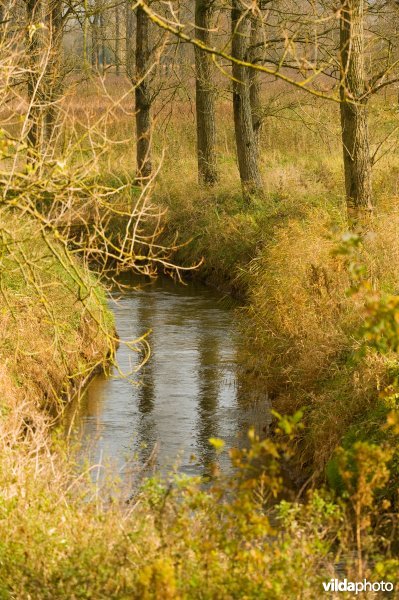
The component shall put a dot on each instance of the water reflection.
(208, 393)
(146, 426)
(185, 394)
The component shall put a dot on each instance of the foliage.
(179, 538)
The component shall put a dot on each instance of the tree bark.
(143, 97)
(86, 23)
(129, 50)
(102, 34)
(35, 113)
(254, 79)
(251, 180)
(205, 98)
(53, 79)
(117, 40)
(354, 122)
(95, 50)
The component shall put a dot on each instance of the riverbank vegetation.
(55, 324)
(250, 146)
(301, 324)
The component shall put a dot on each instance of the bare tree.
(129, 49)
(117, 39)
(245, 138)
(53, 75)
(256, 40)
(34, 11)
(143, 96)
(355, 136)
(205, 97)
(306, 46)
(95, 38)
(102, 37)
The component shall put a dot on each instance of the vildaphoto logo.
(336, 585)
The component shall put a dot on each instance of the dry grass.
(299, 323)
(53, 332)
(302, 328)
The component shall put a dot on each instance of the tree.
(34, 52)
(117, 40)
(102, 37)
(95, 38)
(355, 136)
(143, 96)
(205, 97)
(53, 75)
(256, 41)
(311, 50)
(129, 49)
(247, 154)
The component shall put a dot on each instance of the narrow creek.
(187, 392)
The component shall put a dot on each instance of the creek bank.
(56, 328)
(300, 328)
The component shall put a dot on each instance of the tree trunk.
(143, 97)
(53, 80)
(254, 79)
(117, 40)
(86, 35)
(102, 33)
(95, 51)
(205, 98)
(355, 136)
(251, 180)
(129, 50)
(35, 112)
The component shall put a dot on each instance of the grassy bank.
(55, 327)
(55, 331)
(63, 537)
(301, 328)
(300, 325)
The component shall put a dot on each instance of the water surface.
(186, 393)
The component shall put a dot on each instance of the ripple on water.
(185, 394)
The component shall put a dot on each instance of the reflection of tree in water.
(146, 428)
(209, 384)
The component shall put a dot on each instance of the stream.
(188, 391)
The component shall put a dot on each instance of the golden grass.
(299, 324)
(50, 338)
(302, 328)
